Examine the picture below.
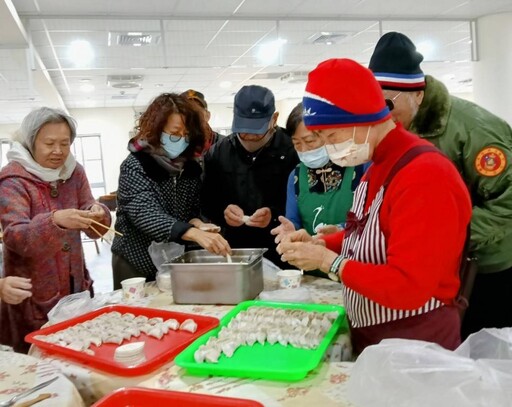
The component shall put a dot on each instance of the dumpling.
(156, 332)
(172, 324)
(155, 320)
(117, 339)
(200, 354)
(212, 355)
(189, 325)
(228, 348)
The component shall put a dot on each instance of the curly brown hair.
(151, 124)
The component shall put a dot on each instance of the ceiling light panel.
(439, 40)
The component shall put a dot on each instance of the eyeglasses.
(390, 103)
(176, 137)
(258, 137)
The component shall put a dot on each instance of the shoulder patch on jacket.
(490, 161)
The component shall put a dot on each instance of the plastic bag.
(489, 343)
(161, 253)
(164, 252)
(409, 373)
(72, 306)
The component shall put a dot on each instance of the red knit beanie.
(343, 93)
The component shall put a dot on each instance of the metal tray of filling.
(200, 277)
(273, 362)
(156, 351)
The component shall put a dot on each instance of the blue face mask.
(173, 145)
(316, 158)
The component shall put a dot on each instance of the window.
(87, 151)
(5, 145)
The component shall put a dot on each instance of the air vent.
(123, 97)
(295, 77)
(124, 81)
(269, 75)
(329, 38)
(134, 39)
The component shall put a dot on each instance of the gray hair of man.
(36, 119)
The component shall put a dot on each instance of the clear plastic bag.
(409, 373)
(72, 306)
(491, 343)
(163, 252)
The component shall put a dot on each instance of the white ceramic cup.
(289, 278)
(133, 288)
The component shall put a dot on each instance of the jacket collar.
(432, 116)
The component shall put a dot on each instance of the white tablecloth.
(20, 372)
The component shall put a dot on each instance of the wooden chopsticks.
(100, 235)
(106, 227)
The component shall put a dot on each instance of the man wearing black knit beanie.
(480, 145)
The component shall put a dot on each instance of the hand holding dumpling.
(234, 215)
(260, 219)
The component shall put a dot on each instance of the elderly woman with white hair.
(45, 202)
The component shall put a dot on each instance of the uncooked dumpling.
(189, 325)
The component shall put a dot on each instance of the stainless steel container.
(200, 277)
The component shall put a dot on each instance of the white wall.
(113, 124)
(492, 81)
(7, 130)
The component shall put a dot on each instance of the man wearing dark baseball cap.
(246, 173)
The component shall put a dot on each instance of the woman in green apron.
(319, 192)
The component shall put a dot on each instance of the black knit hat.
(395, 63)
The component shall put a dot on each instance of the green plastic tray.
(273, 362)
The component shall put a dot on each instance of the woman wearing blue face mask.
(319, 192)
(159, 186)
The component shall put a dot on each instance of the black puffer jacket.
(251, 181)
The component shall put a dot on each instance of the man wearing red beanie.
(398, 258)
(480, 145)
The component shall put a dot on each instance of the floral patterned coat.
(36, 248)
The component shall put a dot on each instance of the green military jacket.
(480, 145)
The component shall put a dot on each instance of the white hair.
(36, 119)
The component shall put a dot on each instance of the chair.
(110, 201)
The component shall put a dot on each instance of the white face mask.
(348, 153)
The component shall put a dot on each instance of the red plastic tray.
(140, 397)
(157, 351)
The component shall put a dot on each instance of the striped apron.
(365, 242)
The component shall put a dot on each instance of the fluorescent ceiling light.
(81, 53)
(87, 87)
(269, 53)
(225, 84)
